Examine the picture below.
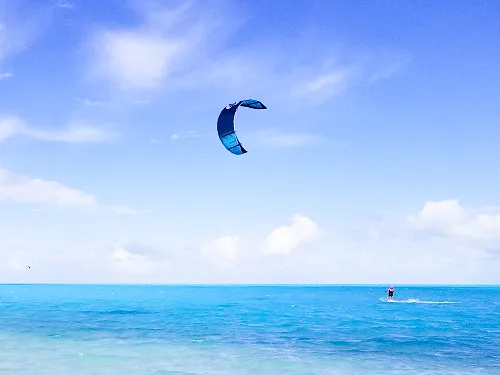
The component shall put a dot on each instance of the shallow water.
(66, 329)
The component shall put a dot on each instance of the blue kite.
(225, 125)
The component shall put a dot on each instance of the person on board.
(390, 292)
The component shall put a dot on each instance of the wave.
(416, 300)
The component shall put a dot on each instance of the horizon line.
(245, 284)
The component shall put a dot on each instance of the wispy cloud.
(23, 189)
(92, 103)
(5, 75)
(322, 86)
(279, 139)
(276, 139)
(143, 57)
(77, 132)
(21, 22)
(386, 69)
(185, 135)
(187, 48)
(65, 4)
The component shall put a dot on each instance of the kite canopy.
(225, 125)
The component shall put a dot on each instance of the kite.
(225, 125)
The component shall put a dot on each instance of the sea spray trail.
(63, 329)
(416, 300)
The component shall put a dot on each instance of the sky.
(376, 160)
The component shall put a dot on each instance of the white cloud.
(19, 188)
(144, 57)
(270, 72)
(186, 135)
(92, 103)
(10, 126)
(23, 189)
(222, 250)
(449, 218)
(325, 85)
(341, 257)
(21, 22)
(140, 249)
(190, 47)
(5, 75)
(136, 259)
(135, 59)
(285, 239)
(277, 139)
(77, 132)
(443, 243)
(291, 139)
(391, 65)
(65, 4)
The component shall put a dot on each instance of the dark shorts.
(391, 293)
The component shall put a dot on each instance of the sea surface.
(250, 330)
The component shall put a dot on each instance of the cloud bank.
(300, 252)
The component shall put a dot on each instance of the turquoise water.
(67, 329)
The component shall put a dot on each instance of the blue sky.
(375, 161)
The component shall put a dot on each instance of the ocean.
(250, 330)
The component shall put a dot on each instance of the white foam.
(416, 300)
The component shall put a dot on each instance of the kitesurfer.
(390, 292)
